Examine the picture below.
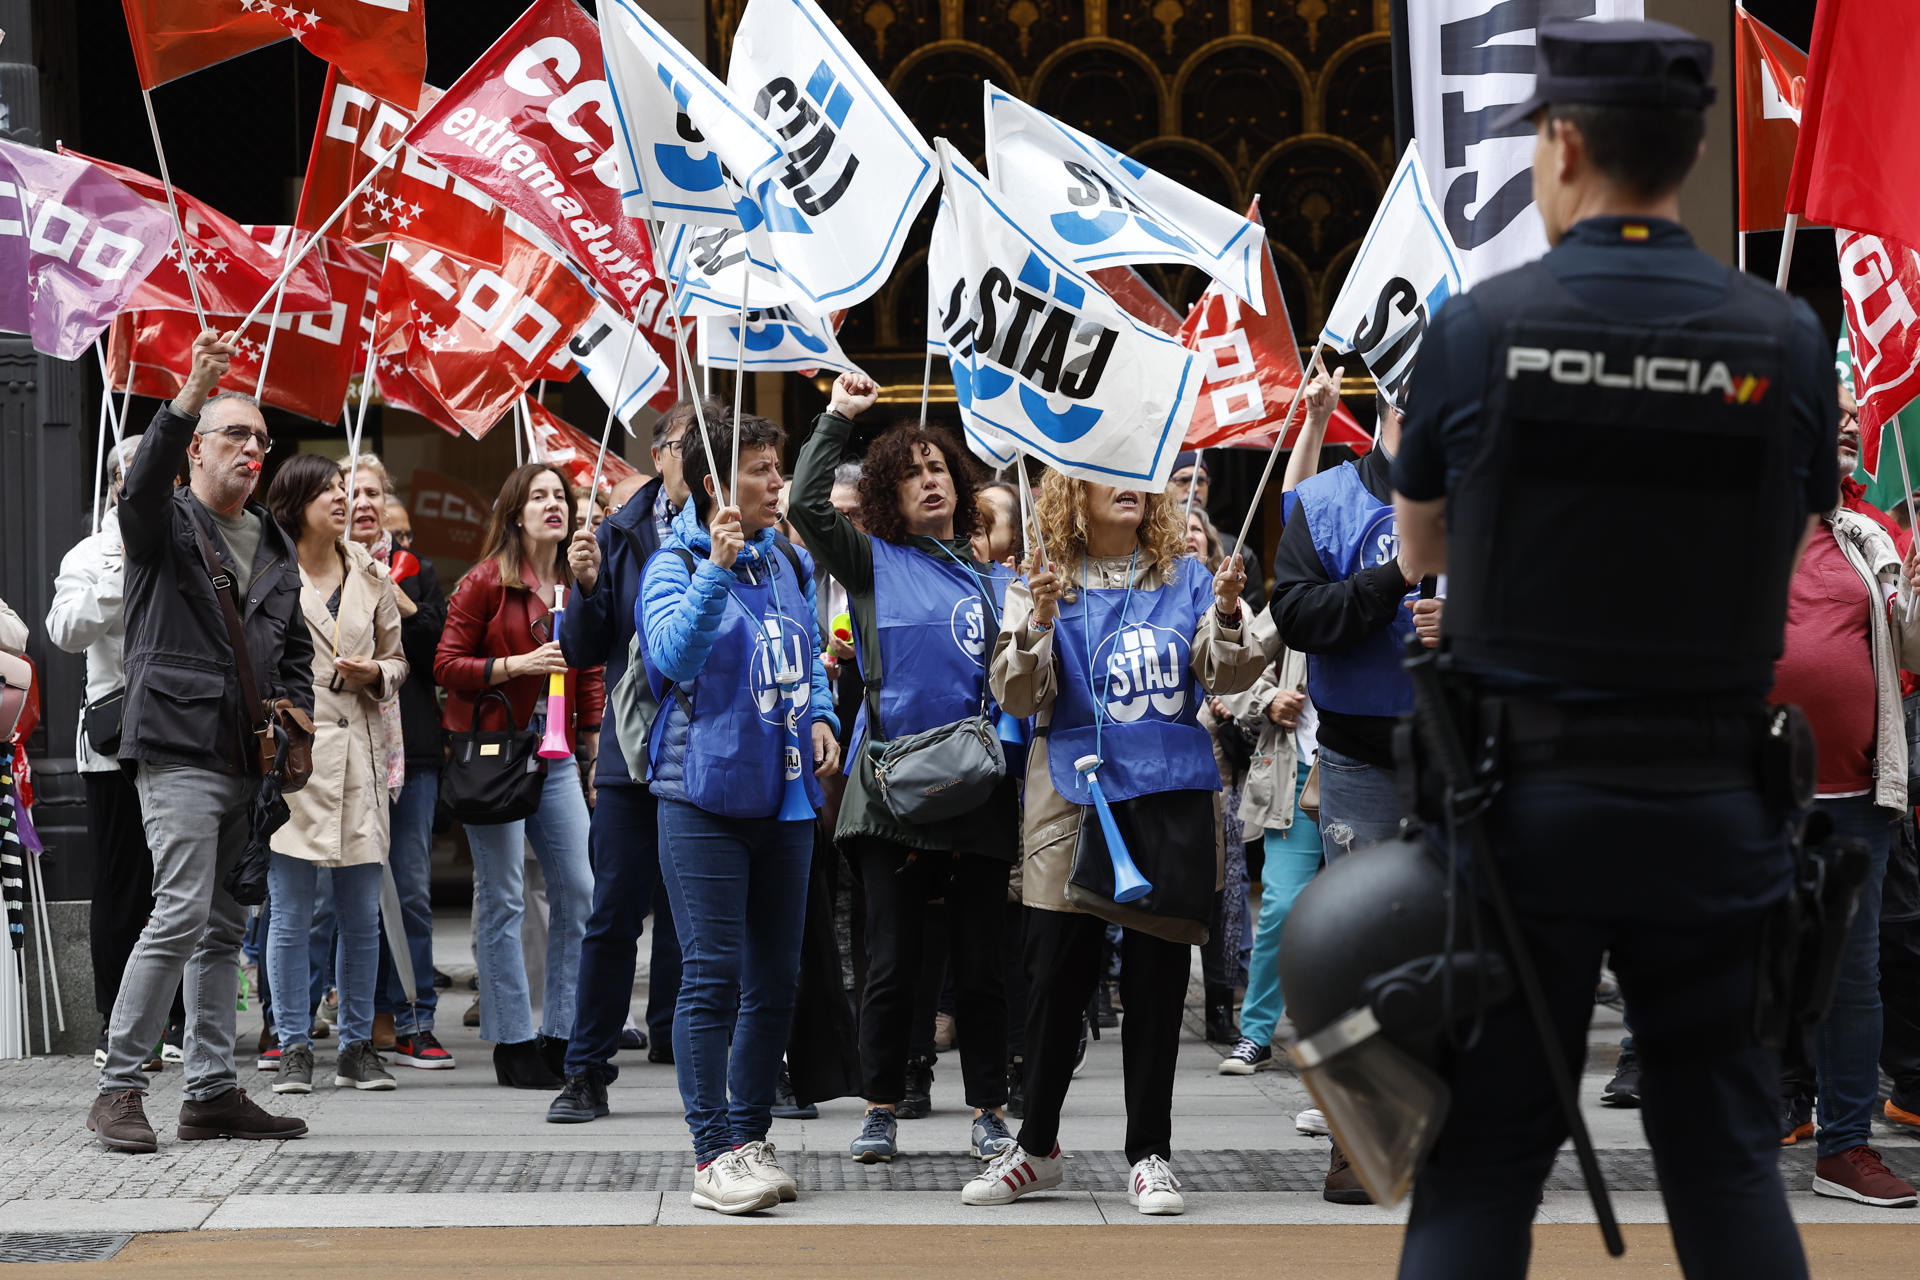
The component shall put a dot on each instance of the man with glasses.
(187, 738)
(1189, 475)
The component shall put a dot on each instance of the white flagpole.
(1906, 478)
(706, 379)
(739, 382)
(1273, 454)
(680, 346)
(106, 394)
(1786, 252)
(273, 329)
(100, 458)
(1026, 495)
(606, 431)
(179, 227)
(926, 383)
(299, 255)
(1743, 250)
(1193, 481)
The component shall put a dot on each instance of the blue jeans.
(626, 881)
(739, 892)
(1293, 859)
(559, 835)
(408, 853)
(1846, 1046)
(293, 884)
(1359, 806)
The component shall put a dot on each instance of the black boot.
(523, 1066)
(553, 1052)
(917, 1102)
(1220, 1025)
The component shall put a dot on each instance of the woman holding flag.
(726, 614)
(1113, 644)
(924, 613)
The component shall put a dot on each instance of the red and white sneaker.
(1859, 1174)
(1152, 1188)
(420, 1049)
(269, 1059)
(1012, 1174)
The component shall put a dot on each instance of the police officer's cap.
(1621, 64)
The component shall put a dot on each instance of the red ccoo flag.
(173, 38)
(1770, 77)
(381, 44)
(1249, 370)
(573, 450)
(1848, 170)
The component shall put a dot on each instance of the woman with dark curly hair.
(925, 613)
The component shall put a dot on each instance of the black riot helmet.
(1383, 954)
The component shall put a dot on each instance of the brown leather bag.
(278, 720)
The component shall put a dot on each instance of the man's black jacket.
(183, 693)
(597, 628)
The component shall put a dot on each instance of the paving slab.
(1062, 1208)
(569, 1209)
(105, 1215)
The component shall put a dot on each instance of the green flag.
(1886, 490)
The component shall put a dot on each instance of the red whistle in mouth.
(254, 467)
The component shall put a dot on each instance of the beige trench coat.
(1023, 677)
(340, 816)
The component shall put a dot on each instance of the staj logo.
(779, 672)
(969, 627)
(810, 133)
(1101, 210)
(1146, 670)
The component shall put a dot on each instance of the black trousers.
(1063, 964)
(122, 884)
(899, 889)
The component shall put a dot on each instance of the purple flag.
(74, 245)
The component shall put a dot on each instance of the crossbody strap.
(224, 590)
(875, 678)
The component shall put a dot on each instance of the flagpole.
(739, 381)
(299, 255)
(926, 382)
(1193, 481)
(1786, 252)
(266, 356)
(100, 458)
(1273, 454)
(1026, 494)
(1742, 237)
(1906, 479)
(106, 394)
(179, 227)
(680, 346)
(606, 432)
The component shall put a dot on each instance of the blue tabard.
(1353, 530)
(750, 728)
(1150, 739)
(936, 638)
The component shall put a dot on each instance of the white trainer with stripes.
(1152, 1188)
(1012, 1174)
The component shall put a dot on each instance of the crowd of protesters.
(742, 665)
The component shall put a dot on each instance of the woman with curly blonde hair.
(1143, 634)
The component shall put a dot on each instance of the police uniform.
(1630, 438)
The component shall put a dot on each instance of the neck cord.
(1086, 635)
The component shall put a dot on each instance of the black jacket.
(597, 627)
(420, 640)
(183, 696)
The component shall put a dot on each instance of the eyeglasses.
(240, 435)
(1849, 418)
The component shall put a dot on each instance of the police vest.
(749, 713)
(1629, 516)
(1126, 665)
(1353, 530)
(936, 637)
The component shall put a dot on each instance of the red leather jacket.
(486, 622)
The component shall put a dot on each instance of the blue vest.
(1353, 530)
(1139, 684)
(936, 638)
(750, 710)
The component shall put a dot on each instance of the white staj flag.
(1042, 357)
(685, 146)
(708, 268)
(840, 200)
(788, 339)
(600, 346)
(1108, 208)
(1471, 60)
(1405, 269)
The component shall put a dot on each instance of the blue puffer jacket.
(678, 614)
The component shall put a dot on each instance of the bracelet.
(1039, 626)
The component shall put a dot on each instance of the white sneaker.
(1012, 1174)
(761, 1158)
(1312, 1122)
(728, 1185)
(1153, 1189)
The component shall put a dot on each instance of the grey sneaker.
(361, 1067)
(296, 1070)
(990, 1136)
(876, 1143)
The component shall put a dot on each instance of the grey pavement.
(452, 1148)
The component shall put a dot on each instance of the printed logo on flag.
(1880, 292)
(969, 625)
(1144, 668)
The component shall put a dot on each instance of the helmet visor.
(1383, 1106)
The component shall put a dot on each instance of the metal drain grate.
(33, 1246)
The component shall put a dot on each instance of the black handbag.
(1170, 836)
(101, 720)
(493, 776)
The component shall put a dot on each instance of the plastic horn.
(554, 745)
(1128, 884)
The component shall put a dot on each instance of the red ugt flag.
(531, 124)
(1249, 370)
(414, 201)
(1771, 77)
(476, 338)
(573, 450)
(381, 44)
(1880, 291)
(173, 38)
(1853, 167)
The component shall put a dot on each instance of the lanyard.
(1086, 635)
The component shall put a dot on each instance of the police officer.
(1615, 453)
